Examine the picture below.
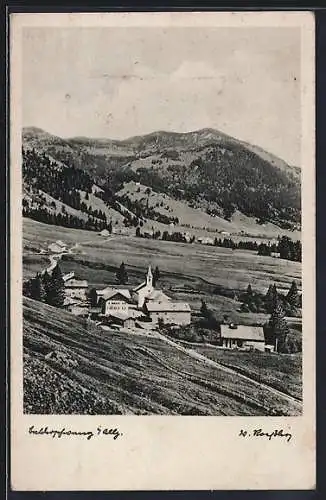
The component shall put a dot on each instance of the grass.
(282, 372)
(113, 373)
(194, 266)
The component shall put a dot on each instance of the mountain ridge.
(205, 169)
(213, 133)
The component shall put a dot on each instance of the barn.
(242, 337)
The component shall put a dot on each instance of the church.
(144, 299)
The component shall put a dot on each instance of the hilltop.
(225, 179)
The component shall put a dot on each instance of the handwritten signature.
(277, 433)
(59, 433)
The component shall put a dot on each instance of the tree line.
(256, 302)
(65, 220)
(276, 330)
(45, 287)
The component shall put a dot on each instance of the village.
(145, 309)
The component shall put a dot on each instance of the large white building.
(176, 313)
(143, 299)
(115, 301)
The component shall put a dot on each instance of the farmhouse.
(242, 337)
(76, 307)
(75, 288)
(124, 320)
(205, 240)
(177, 313)
(57, 247)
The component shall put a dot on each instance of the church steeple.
(149, 277)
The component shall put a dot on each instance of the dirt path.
(200, 357)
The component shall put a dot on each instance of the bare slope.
(73, 367)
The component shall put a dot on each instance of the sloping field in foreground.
(71, 367)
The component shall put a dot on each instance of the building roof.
(68, 276)
(158, 296)
(139, 287)
(243, 332)
(74, 283)
(109, 293)
(168, 306)
(58, 243)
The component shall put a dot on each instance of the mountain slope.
(206, 169)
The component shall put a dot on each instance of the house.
(140, 292)
(105, 233)
(57, 247)
(124, 320)
(115, 301)
(205, 240)
(74, 288)
(177, 313)
(76, 307)
(242, 337)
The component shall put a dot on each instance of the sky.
(119, 82)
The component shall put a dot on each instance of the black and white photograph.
(161, 205)
(162, 251)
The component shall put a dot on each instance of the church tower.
(149, 278)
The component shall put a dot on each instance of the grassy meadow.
(189, 272)
(71, 366)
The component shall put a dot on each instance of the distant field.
(71, 366)
(195, 266)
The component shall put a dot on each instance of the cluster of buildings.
(144, 306)
(123, 306)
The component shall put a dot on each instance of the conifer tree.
(37, 289)
(278, 327)
(156, 275)
(293, 295)
(203, 309)
(271, 298)
(40, 284)
(56, 293)
(27, 288)
(46, 279)
(122, 275)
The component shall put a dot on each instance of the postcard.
(162, 251)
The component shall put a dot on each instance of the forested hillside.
(206, 170)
